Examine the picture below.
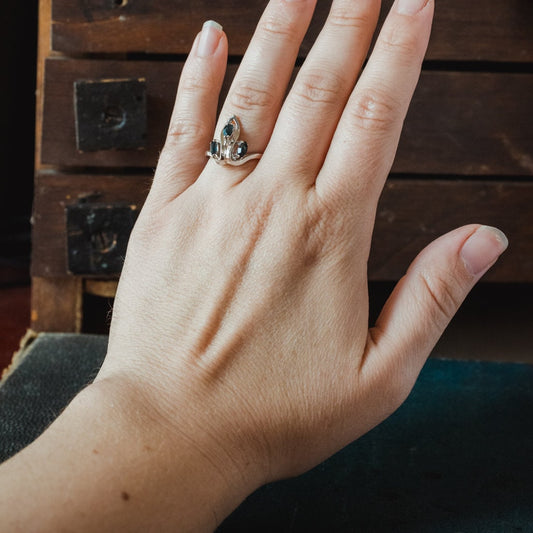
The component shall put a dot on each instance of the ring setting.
(230, 150)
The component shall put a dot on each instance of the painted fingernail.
(482, 248)
(209, 38)
(410, 7)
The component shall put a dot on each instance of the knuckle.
(272, 28)
(193, 84)
(249, 95)
(319, 88)
(185, 129)
(444, 296)
(373, 110)
(196, 78)
(344, 17)
(400, 42)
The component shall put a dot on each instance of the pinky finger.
(193, 118)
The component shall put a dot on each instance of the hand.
(242, 313)
(240, 341)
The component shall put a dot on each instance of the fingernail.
(483, 248)
(209, 38)
(410, 7)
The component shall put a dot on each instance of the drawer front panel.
(58, 243)
(499, 30)
(459, 123)
(60, 132)
(411, 214)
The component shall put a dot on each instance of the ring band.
(229, 150)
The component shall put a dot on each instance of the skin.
(239, 350)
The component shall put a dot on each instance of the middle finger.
(317, 99)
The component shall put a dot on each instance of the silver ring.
(229, 150)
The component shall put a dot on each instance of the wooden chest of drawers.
(108, 71)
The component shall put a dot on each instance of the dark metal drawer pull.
(110, 114)
(97, 237)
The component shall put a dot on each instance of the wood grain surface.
(56, 304)
(412, 212)
(495, 30)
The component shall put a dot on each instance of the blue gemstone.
(228, 130)
(242, 149)
(214, 147)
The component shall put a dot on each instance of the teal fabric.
(456, 457)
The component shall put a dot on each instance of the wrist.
(109, 463)
(189, 474)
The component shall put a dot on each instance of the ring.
(229, 150)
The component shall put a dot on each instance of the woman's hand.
(240, 328)
(242, 313)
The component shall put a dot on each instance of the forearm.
(102, 467)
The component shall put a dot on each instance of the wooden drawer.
(55, 192)
(477, 127)
(58, 143)
(411, 214)
(495, 30)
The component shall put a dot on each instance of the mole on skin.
(125, 496)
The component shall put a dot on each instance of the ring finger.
(260, 84)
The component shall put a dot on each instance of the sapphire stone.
(242, 149)
(214, 147)
(228, 130)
